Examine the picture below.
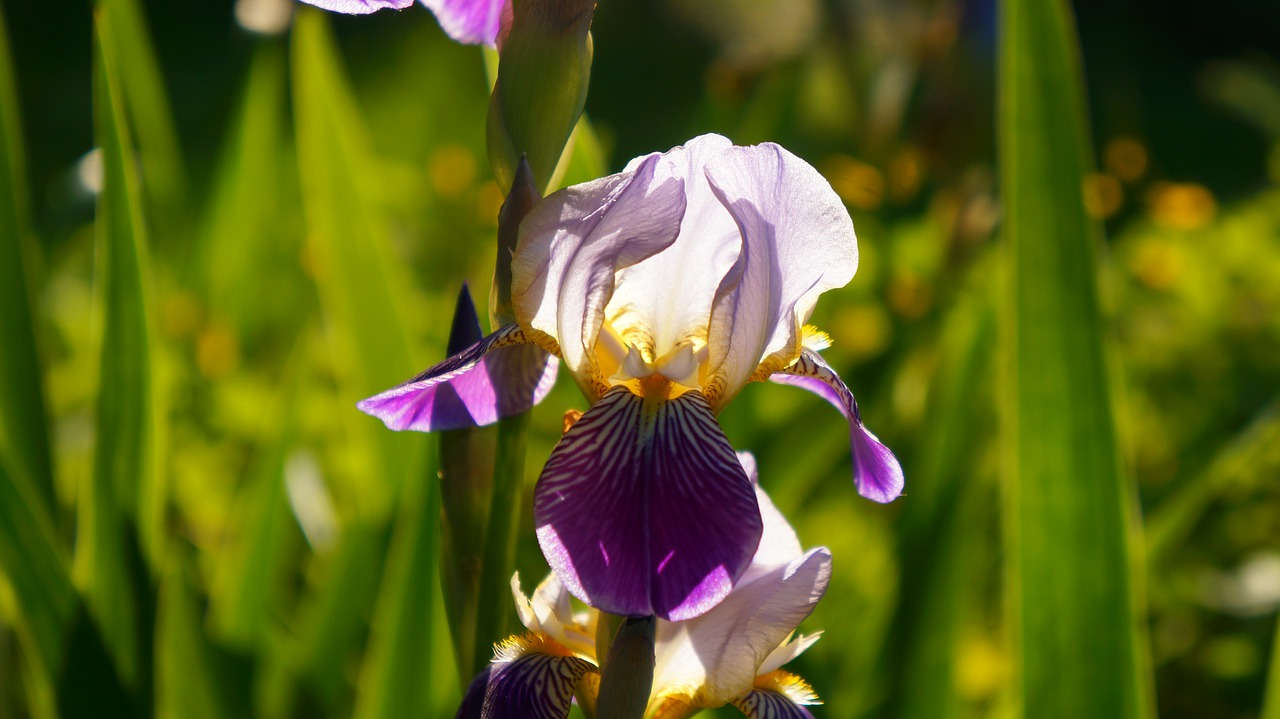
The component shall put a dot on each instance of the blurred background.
(291, 509)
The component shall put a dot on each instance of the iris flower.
(474, 22)
(664, 289)
(732, 654)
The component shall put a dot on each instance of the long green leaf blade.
(23, 428)
(361, 293)
(124, 468)
(1069, 520)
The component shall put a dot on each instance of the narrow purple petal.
(474, 22)
(768, 704)
(643, 508)
(876, 472)
(528, 684)
(359, 7)
(499, 376)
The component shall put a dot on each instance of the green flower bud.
(541, 88)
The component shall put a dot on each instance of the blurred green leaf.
(23, 428)
(123, 485)
(1170, 525)
(186, 683)
(407, 651)
(146, 102)
(362, 294)
(1271, 706)
(941, 547)
(1073, 603)
(36, 570)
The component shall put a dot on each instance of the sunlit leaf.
(1073, 604)
(122, 487)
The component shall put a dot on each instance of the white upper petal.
(572, 244)
(798, 242)
(666, 298)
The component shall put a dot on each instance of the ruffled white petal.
(666, 299)
(572, 244)
(797, 242)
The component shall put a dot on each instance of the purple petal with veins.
(359, 7)
(499, 376)
(876, 472)
(643, 508)
(532, 685)
(766, 704)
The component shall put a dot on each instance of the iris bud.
(541, 88)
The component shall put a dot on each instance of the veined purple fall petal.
(643, 508)
(530, 678)
(876, 472)
(773, 703)
(359, 7)
(499, 376)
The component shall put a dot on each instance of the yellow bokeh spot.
(217, 351)
(980, 668)
(864, 330)
(1125, 158)
(906, 172)
(1157, 263)
(1102, 195)
(452, 170)
(488, 201)
(180, 314)
(857, 183)
(1181, 205)
(909, 296)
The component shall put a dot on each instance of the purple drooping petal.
(572, 243)
(359, 7)
(876, 472)
(797, 242)
(499, 376)
(525, 682)
(769, 704)
(643, 508)
(474, 22)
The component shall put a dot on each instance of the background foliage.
(194, 520)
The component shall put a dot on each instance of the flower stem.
(627, 675)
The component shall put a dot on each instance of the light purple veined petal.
(797, 242)
(646, 509)
(359, 7)
(499, 376)
(524, 683)
(689, 271)
(769, 704)
(876, 472)
(474, 22)
(572, 243)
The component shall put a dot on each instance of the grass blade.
(1271, 705)
(186, 684)
(147, 104)
(1069, 525)
(361, 293)
(124, 468)
(23, 428)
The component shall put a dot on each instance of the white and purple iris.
(733, 654)
(474, 22)
(664, 289)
